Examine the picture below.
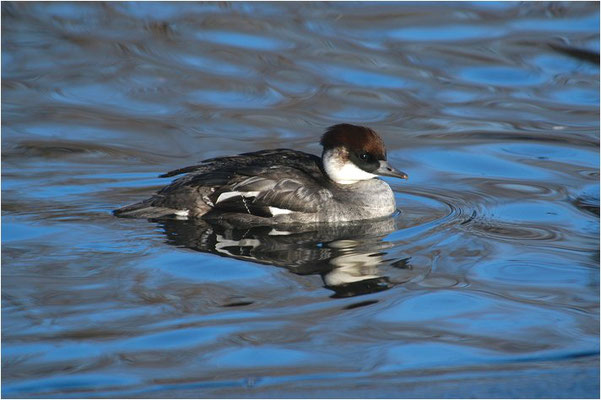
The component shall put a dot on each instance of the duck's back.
(262, 184)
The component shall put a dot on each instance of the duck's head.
(354, 153)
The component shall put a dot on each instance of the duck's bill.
(388, 170)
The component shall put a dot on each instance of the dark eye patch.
(365, 160)
(366, 157)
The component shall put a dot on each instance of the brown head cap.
(355, 138)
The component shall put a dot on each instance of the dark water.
(485, 284)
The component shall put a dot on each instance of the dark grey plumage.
(282, 178)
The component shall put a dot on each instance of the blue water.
(484, 284)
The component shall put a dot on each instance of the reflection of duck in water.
(349, 257)
(275, 187)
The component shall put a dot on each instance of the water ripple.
(488, 271)
(245, 40)
(242, 98)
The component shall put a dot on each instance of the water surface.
(485, 284)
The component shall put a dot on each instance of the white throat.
(341, 170)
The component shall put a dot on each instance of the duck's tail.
(145, 209)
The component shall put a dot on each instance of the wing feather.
(265, 183)
(279, 188)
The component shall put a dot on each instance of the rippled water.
(485, 284)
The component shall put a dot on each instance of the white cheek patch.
(343, 172)
(350, 173)
(226, 195)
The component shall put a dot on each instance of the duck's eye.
(364, 156)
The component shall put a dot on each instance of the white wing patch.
(226, 195)
(182, 214)
(278, 211)
(275, 232)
